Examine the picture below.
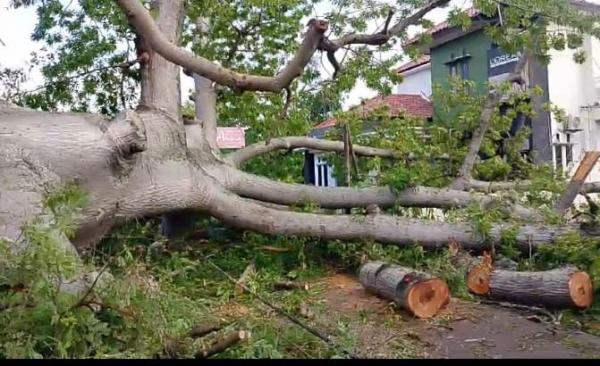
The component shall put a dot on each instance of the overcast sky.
(16, 27)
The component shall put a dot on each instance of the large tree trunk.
(147, 163)
(124, 182)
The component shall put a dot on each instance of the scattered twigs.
(532, 309)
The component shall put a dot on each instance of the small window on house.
(323, 173)
(459, 66)
(558, 152)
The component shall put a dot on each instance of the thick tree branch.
(205, 100)
(379, 38)
(313, 40)
(492, 101)
(267, 190)
(583, 170)
(241, 156)
(523, 185)
(382, 228)
(142, 21)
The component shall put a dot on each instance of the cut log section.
(419, 293)
(290, 285)
(202, 330)
(224, 343)
(478, 275)
(559, 288)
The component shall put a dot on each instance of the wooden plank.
(574, 187)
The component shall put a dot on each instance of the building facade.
(572, 87)
(470, 54)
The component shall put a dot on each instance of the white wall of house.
(416, 81)
(574, 88)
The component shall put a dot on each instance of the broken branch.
(144, 25)
(583, 170)
(492, 101)
(241, 156)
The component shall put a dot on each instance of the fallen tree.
(149, 162)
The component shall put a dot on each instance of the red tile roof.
(414, 105)
(425, 59)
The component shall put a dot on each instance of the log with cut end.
(417, 292)
(558, 288)
(224, 343)
(290, 285)
(202, 330)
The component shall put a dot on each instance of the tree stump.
(417, 292)
(559, 288)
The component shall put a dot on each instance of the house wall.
(478, 45)
(416, 81)
(475, 44)
(573, 87)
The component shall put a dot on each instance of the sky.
(17, 25)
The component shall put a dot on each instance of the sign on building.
(231, 137)
(500, 63)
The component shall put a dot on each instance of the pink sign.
(231, 137)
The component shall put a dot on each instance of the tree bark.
(264, 189)
(241, 156)
(224, 343)
(417, 292)
(558, 288)
(202, 330)
(140, 164)
(314, 39)
(166, 178)
(290, 285)
(160, 77)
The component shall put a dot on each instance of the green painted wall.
(477, 45)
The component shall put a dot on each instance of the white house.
(575, 88)
(417, 77)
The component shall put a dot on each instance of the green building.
(470, 54)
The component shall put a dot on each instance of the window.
(569, 149)
(563, 151)
(323, 173)
(459, 66)
(558, 152)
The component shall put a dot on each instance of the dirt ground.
(462, 330)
